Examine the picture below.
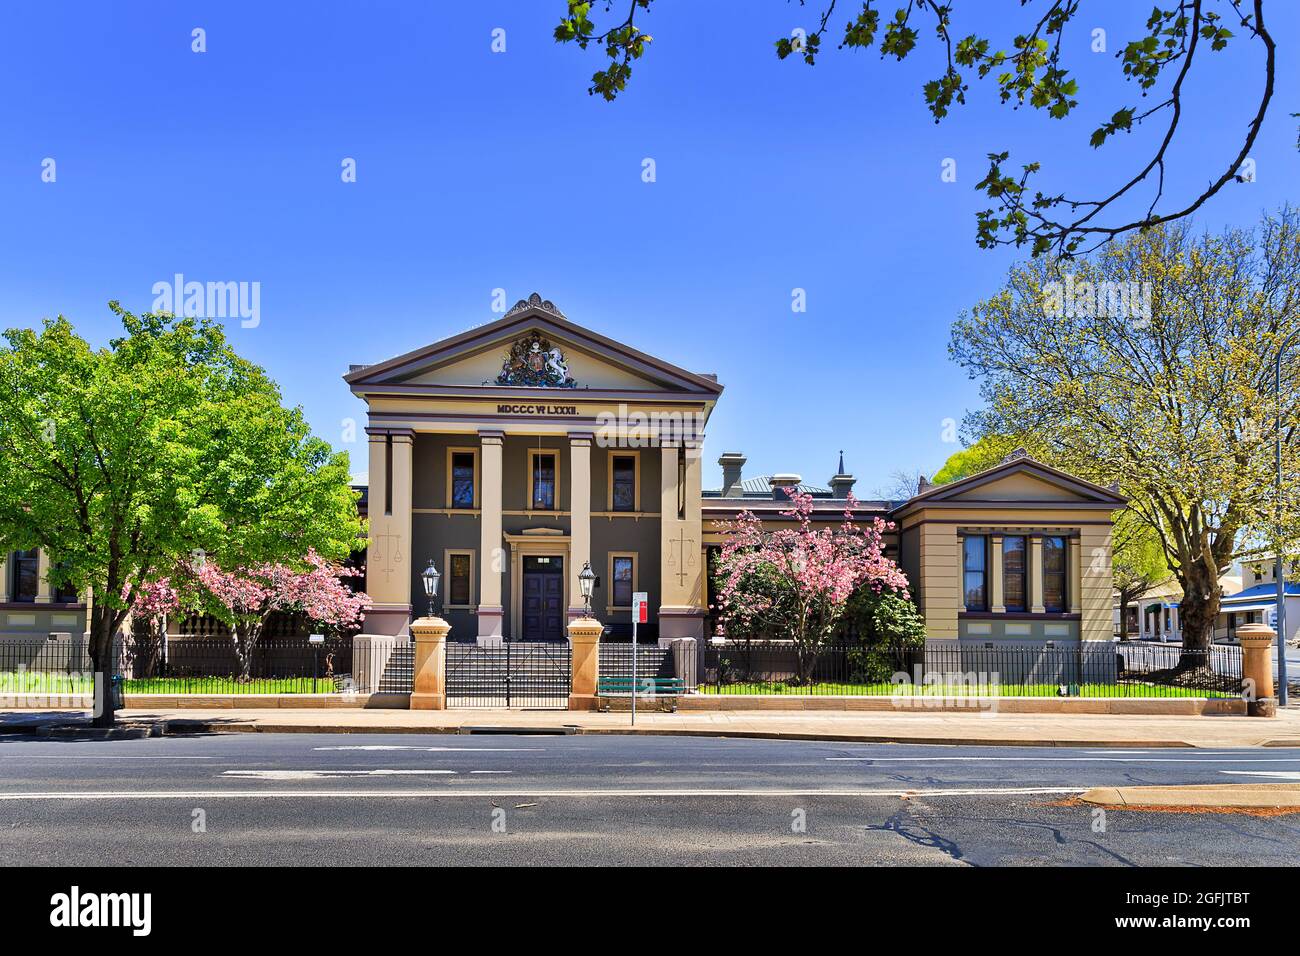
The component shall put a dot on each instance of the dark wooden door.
(543, 599)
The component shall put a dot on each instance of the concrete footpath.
(1208, 797)
(1045, 730)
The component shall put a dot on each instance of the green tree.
(1030, 69)
(126, 461)
(980, 456)
(889, 625)
(1173, 400)
(1138, 562)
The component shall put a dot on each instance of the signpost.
(639, 616)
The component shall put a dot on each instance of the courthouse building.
(513, 454)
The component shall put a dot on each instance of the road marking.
(1071, 759)
(1278, 774)
(503, 750)
(484, 794)
(322, 774)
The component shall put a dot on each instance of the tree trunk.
(1123, 615)
(246, 638)
(1197, 613)
(101, 659)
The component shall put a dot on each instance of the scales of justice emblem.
(684, 558)
(534, 362)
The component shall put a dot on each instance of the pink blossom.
(817, 570)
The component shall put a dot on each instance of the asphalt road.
(438, 799)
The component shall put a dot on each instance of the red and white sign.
(640, 608)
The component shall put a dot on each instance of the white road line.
(1276, 774)
(487, 794)
(503, 750)
(1069, 759)
(324, 774)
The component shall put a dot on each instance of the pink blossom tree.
(796, 582)
(151, 602)
(245, 598)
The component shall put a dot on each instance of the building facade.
(514, 454)
(30, 607)
(1020, 552)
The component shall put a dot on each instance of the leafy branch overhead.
(1029, 70)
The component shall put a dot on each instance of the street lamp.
(1280, 568)
(586, 581)
(430, 576)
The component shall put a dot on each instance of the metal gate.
(513, 674)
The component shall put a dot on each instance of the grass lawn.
(886, 689)
(53, 683)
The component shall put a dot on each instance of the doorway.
(543, 609)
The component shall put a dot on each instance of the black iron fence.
(178, 665)
(967, 669)
(511, 674)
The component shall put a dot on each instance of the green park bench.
(664, 691)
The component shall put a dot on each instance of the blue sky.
(479, 170)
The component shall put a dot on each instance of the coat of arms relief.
(535, 363)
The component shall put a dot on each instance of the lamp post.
(586, 581)
(430, 577)
(1280, 568)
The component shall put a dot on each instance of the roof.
(1267, 590)
(530, 313)
(1093, 495)
(761, 487)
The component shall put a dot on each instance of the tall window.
(1054, 596)
(544, 482)
(624, 468)
(621, 594)
(1013, 573)
(26, 576)
(459, 570)
(974, 561)
(462, 479)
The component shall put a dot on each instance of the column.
(681, 601)
(995, 575)
(1076, 577)
(580, 517)
(4, 577)
(491, 555)
(43, 595)
(1036, 574)
(389, 555)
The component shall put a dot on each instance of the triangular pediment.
(533, 347)
(1019, 481)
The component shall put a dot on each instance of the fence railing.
(949, 668)
(178, 665)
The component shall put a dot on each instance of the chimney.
(783, 484)
(923, 485)
(841, 481)
(731, 462)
